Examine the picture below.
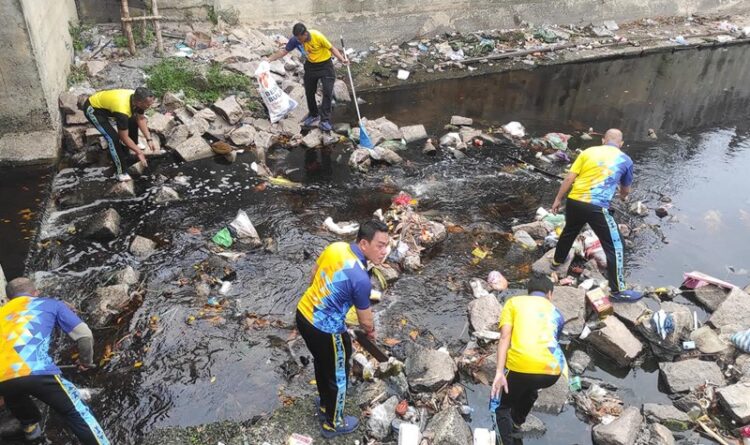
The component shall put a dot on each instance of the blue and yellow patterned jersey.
(600, 169)
(537, 325)
(26, 328)
(341, 281)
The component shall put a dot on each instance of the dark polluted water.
(166, 372)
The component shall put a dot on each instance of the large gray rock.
(710, 296)
(537, 229)
(733, 311)
(429, 148)
(388, 129)
(379, 423)
(172, 102)
(165, 194)
(77, 118)
(484, 313)
(735, 399)
(68, 102)
(687, 374)
(462, 121)
(533, 427)
(126, 275)
(123, 189)
(219, 128)
(264, 140)
(667, 415)
(468, 134)
(105, 225)
(660, 435)
(177, 135)
(708, 342)
(385, 155)
(552, 400)
(621, 431)
(341, 91)
(142, 247)
(108, 302)
(198, 126)
(360, 160)
(413, 133)
(616, 342)
(193, 149)
(629, 312)
(229, 109)
(160, 123)
(579, 361)
(428, 370)
(314, 138)
(449, 428)
(571, 302)
(73, 138)
(136, 170)
(544, 266)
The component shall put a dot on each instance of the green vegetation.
(213, 17)
(230, 16)
(120, 41)
(79, 34)
(143, 35)
(77, 74)
(175, 74)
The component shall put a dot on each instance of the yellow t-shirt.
(115, 104)
(317, 49)
(600, 169)
(537, 325)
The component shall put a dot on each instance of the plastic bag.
(223, 238)
(525, 240)
(279, 103)
(742, 340)
(594, 250)
(341, 228)
(243, 227)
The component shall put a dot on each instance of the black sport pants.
(331, 354)
(523, 390)
(577, 214)
(117, 150)
(324, 72)
(60, 395)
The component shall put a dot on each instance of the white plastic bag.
(341, 228)
(278, 102)
(243, 226)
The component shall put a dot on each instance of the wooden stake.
(127, 25)
(157, 27)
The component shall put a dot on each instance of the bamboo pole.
(157, 27)
(142, 18)
(127, 26)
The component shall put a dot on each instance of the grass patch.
(175, 74)
(213, 17)
(80, 36)
(77, 75)
(143, 35)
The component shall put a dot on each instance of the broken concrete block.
(429, 148)
(413, 133)
(104, 225)
(710, 296)
(468, 134)
(484, 313)
(579, 361)
(386, 155)
(461, 121)
(314, 138)
(360, 160)
(207, 114)
(183, 115)
(160, 123)
(172, 102)
(107, 303)
(733, 311)
(165, 194)
(137, 169)
(708, 342)
(616, 342)
(388, 129)
(142, 247)
(449, 428)
(629, 313)
(73, 138)
(667, 415)
(126, 275)
(621, 431)
(660, 435)
(68, 102)
(94, 67)
(428, 370)
(533, 427)
(243, 136)
(264, 140)
(552, 400)
(277, 67)
(684, 375)
(177, 135)
(77, 118)
(123, 189)
(543, 265)
(219, 128)
(230, 109)
(379, 423)
(571, 302)
(197, 126)
(194, 148)
(341, 91)
(735, 399)
(537, 229)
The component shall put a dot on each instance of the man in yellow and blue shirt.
(340, 281)
(27, 325)
(593, 180)
(529, 356)
(317, 51)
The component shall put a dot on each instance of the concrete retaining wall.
(37, 51)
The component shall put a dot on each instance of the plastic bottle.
(494, 404)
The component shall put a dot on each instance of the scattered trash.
(695, 279)
(497, 281)
(663, 323)
(483, 436)
(299, 439)
(599, 302)
(680, 40)
(341, 228)
(279, 103)
(514, 129)
(402, 74)
(223, 238)
(742, 340)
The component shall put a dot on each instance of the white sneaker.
(124, 177)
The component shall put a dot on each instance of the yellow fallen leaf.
(414, 334)
(403, 322)
(137, 365)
